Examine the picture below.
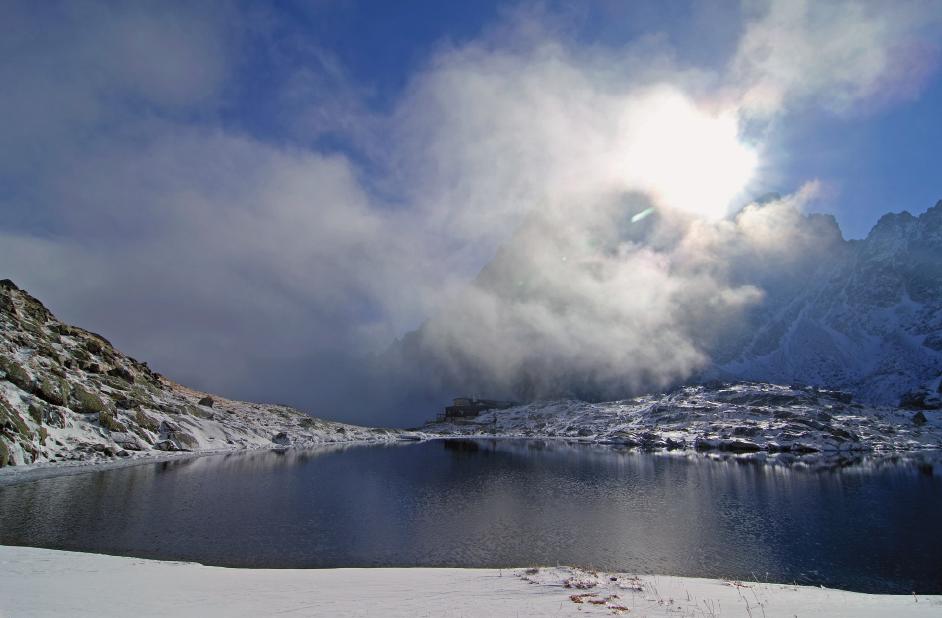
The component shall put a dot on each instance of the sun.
(685, 157)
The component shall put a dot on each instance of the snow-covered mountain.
(860, 315)
(67, 395)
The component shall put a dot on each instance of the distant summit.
(864, 316)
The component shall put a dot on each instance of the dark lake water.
(502, 503)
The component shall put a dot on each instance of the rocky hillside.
(67, 394)
(739, 418)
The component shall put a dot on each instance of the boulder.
(127, 403)
(53, 390)
(118, 384)
(167, 427)
(127, 441)
(200, 413)
(146, 421)
(206, 401)
(16, 374)
(746, 430)
(182, 440)
(121, 372)
(85, 402)
(165, 445)
(929, 397)
(281, 439)
(35, 413)
(107, 419)
(54, 417)
(11, 423)
(841, 434)
(919, 418)
(90, 367)
(739, 446)
(625, 439)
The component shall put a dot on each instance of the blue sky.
(883, 161)
(876, 159)
(255, 197)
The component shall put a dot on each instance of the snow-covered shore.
(744, 417)
(16, 475)
(41, 582)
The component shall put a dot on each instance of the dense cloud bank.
(274, 269)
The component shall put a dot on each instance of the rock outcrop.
(724, 417)
(67, 394)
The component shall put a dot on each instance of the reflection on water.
(869, 525)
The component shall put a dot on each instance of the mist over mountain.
(634, 304)
(261, 208)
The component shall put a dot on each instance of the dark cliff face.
(861, 315)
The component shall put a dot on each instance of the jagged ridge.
(863, 316)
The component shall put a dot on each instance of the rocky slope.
(863, 316)
(67, 394)
(738, 418)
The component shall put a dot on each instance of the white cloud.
(231, 262)
(836, 54)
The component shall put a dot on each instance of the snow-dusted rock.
(67, 394)
(926, 397)
(735, 418)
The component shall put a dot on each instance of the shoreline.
(17, 475)
(45, 582)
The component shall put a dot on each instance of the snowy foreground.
(42, 582)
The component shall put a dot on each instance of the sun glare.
(687, 158)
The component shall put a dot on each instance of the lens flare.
(687, 158)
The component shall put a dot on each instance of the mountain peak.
(933, 216)
(891, 221)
